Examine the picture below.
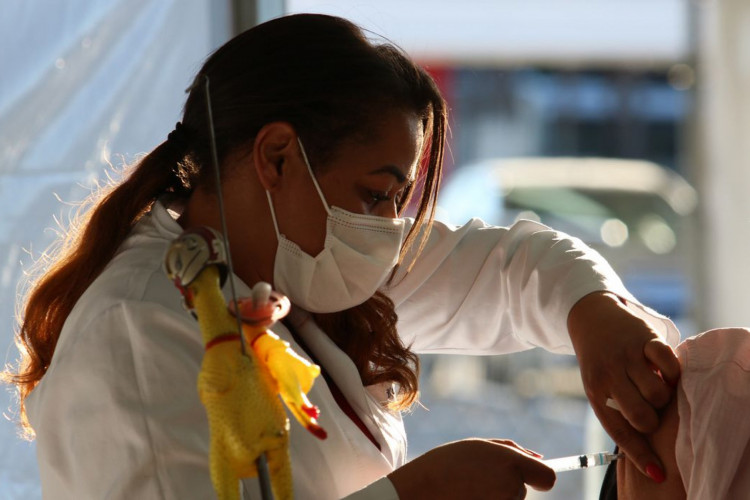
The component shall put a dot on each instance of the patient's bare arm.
(631, 484)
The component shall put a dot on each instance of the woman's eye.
(378, 196)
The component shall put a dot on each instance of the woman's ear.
(275, 144)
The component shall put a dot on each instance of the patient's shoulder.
(713, 348)
(633, 485)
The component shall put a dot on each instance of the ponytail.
(99, 227)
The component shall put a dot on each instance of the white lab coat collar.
(364, 400)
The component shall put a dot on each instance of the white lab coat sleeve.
(479, 289)
(382, 489)
(118, 415)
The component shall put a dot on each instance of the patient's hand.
(631, 484)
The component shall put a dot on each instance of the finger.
(513, 444)
(649, 384)
(536, 474)
(630, 441)
(636, 410)
(521, 492)
(663, 357)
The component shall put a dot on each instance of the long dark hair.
(322, 75)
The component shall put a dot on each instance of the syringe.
(582, 461)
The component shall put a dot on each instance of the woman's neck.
(252, 240)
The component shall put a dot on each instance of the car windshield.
(610, 217)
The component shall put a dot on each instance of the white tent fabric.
(85, 83)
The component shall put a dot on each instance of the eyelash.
(383, 196)
(378, 196)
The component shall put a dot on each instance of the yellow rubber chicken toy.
(240, 390)
(292, 374)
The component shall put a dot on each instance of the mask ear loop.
(315, 183)
(273, 214)
(312, 176)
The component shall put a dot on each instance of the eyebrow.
(394, 171)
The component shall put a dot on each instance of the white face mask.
(358, 253)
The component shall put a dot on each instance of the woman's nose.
(390, 210)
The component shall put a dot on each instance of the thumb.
(536, 474)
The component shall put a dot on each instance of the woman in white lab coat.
(321, 137)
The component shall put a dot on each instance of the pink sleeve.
(713, 400)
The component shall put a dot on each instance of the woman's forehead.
(394, 148)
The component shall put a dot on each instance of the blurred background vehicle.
(637, 214)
